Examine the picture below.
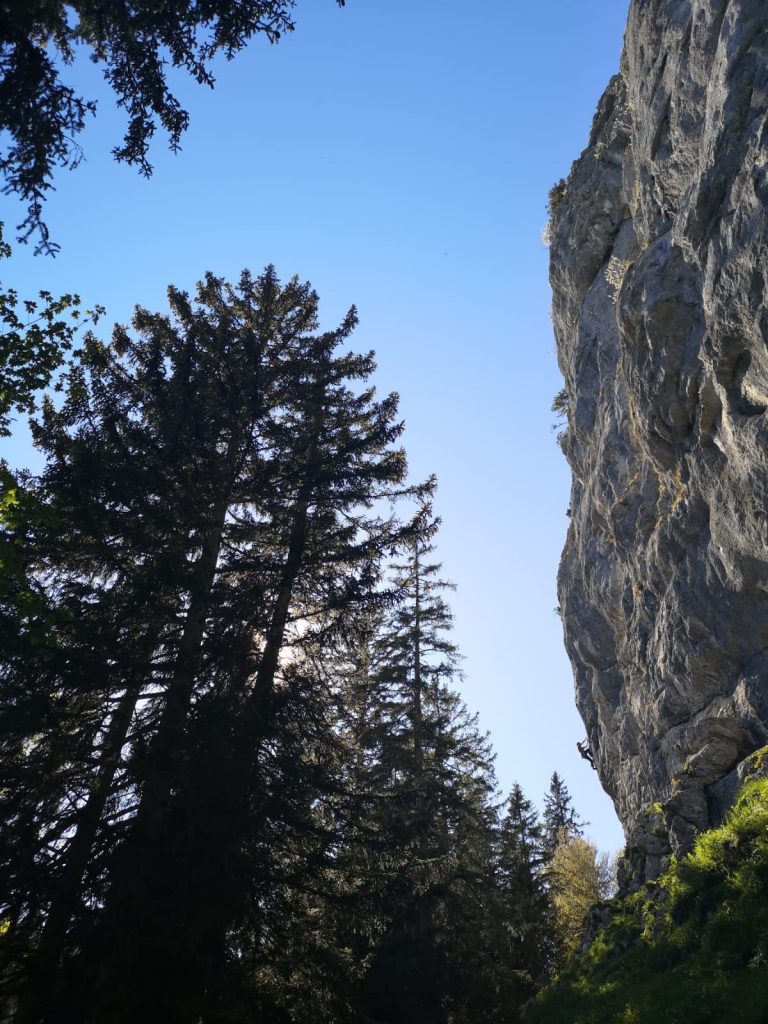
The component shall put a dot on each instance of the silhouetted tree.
(526, 939)
(221, 491)
(35, 335)
(560, 820)
(236, 780)
(134, 44)
(418, 856)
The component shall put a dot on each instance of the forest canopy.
(238, 781)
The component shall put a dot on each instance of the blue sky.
(398, 155)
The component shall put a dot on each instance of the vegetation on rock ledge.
(691, 948)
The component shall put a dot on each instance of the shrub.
(693, 948)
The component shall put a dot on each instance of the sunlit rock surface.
(660, 279)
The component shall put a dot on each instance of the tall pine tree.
(419, 857)
(560, 819)
(220, 483)
(526, 938)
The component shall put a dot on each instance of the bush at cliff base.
(692, 947)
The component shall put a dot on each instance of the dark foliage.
(134, 43)
(528, 934)
(560, 819)
(35, 335)
(211, 484)
(237, 781)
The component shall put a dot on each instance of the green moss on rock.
(756, 764)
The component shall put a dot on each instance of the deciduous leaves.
(34, 338)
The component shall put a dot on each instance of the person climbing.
(586, 753)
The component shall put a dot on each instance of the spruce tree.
(560, 820)
(238, 782)
(419, 858)
(222, 480)
(527, 938)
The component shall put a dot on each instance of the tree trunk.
(167, 742)
(40, 985)
(131, 948)
(417, 701)
(259, 700)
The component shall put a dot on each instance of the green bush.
(692, 949)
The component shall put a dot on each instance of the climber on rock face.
(586, 753)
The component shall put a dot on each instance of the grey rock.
(599, 917)
(721, 794)
(659, 272)
(647, 854)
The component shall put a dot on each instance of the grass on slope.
(691, 948)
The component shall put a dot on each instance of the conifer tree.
(562, 829)
(560, 820)
(41, 114)
(527, 936)
(220, 484)
(237, 781)
(419, 859)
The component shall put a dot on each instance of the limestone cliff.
(659, 272)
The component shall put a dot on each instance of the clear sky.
(397, 154)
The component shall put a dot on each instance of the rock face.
(659, 270)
